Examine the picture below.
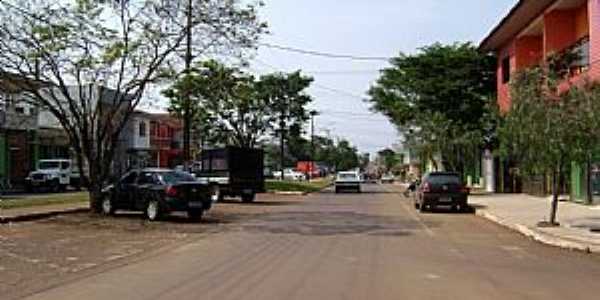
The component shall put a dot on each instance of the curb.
(289, 193)
(539, 236)
(41, 215)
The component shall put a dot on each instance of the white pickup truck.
(54, 174)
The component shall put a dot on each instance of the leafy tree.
(550, 124)
(345, 157)
(225, 104)
(389, 159)
(438, 99)
(287, 99)
(88, 52)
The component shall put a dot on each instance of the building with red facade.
(166, 141)
(531, 32)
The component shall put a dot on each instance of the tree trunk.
(95, 192)
(588, 180)
(555, 191)
(282, 152)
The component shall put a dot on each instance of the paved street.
(327, 246)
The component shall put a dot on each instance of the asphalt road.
(351, 246)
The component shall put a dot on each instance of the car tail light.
(465, 190)
(171, 191)
(426, 187)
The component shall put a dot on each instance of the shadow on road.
(259, 203)
(333, 223)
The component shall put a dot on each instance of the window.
(142, 129)
(129, 178)
(176, 177)
(153, 131)
(47, 165)
(147, 178)
(581, 50)
(64, 165)
(506, 69)
(20, 110)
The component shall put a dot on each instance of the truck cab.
(53, 174)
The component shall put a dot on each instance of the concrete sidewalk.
(522, 212)
(41, 211)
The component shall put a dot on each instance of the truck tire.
(55, 186)
(29, 188)
(76, 185)
(195, 214)
(248, 198)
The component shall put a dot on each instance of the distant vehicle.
(387, 178)
(441, 189)
(54, 174)
(158, 192)
(309, 167)
(345, 181)
(238, 172)
(290, 174)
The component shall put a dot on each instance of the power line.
(330, 89)
(324, 54)
(338, 91)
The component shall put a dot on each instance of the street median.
(19, 208)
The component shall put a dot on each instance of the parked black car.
(157, 192)
(441, 189)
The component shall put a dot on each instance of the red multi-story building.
(536, 29)
(165, 141)
(531, 32)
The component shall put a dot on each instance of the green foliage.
(287, 98)
(438, 98)
(234, 108)
(79, 51)
(551, 123)
(338, 155)
(389, 159)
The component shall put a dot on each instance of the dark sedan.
(441, 189)
(158, 192)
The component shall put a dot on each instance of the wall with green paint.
(577, 182)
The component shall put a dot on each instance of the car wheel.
(417, 206)
(55, 188)
(247, 198)
(337, 191)
(107, 206)
(153, 212)
(195, 214)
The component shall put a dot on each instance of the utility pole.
(187, 100)
(312, 144)
(282, 144)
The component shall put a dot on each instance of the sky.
(375, 28)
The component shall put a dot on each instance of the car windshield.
(347, 176)
(444, 179)
(176, 177)
(44, 165)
